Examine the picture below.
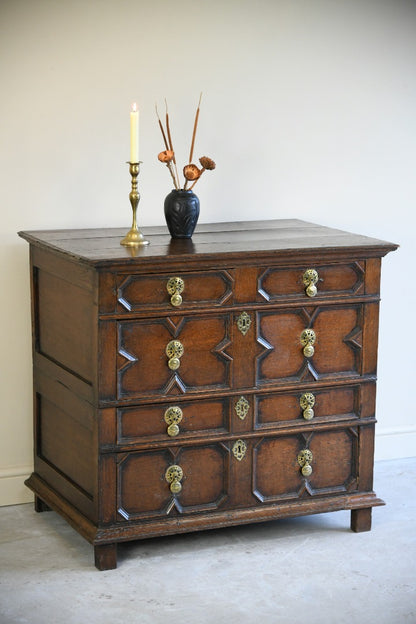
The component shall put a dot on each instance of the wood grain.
(102, 318)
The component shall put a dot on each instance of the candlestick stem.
(134, 237)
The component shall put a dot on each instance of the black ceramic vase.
(181, 213)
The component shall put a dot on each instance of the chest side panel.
(65, 315)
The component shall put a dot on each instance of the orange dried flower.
(167, 156)
(207, 163)
(191, 172)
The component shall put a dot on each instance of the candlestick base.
(134, 237)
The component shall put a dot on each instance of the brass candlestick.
(134, 237)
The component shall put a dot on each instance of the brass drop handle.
(174, 351)
(175, 288)
(307, 401)
(173, 417)
(304, 460)
(310, 279)
(174, 476)
(308, 339)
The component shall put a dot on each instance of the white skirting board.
(395, 443)
(12, 487)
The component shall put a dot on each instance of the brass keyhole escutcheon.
(308, 339)
(244, 322)
(173, 417)
(310, 279)
(174, 476)
(242, 408)
(175, 288)
(239, 449)
(174, 351)
(307, 401)
(304, 460)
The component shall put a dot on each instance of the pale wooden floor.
(307, 570)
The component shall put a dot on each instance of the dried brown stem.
(168, 164)
(161, 129)
(170, 142)
(191, 153)
(202, 171)
(172, 173)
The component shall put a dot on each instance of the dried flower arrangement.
(191, 172)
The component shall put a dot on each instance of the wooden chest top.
(273, 241)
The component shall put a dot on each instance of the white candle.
(134, 134)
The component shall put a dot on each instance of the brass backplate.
(304, 460)
(308, 339)
(310, 279)
(174, 351)
(242, 407)
(244, 322)
(174, 476)
(175, 287)
(173, 416)
(239, 449)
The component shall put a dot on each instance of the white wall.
(308, 109)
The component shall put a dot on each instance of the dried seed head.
(166, 156)
(207, 163)
(191, 172)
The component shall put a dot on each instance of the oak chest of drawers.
(197, 384)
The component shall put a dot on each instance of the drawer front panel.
(146, 364)
(141, 488)
(174, 291)
(332, 466)
(295, 283)
(307, 405)
(141, 425)
(170, 482)
(337, 343)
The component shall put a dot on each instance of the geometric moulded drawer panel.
(307, 404)
(164, 356)
(155, 291)
(139, 425)
(299, 466)
(167, 483)
(333, 335)
(330, 281)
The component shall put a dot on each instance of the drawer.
(332, 404)
(298, 466)
(325, 342)
(149, 423)
(158, 483)
(312, 281)
(173, 291)
(157, 357)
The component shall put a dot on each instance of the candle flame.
(134, 107)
